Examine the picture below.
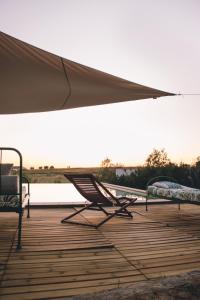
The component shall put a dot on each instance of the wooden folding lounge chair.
(99, 197)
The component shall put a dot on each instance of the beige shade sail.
(33, 80)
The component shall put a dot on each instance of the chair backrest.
(90, 188)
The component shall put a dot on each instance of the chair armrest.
(26, 181)
(126, 199)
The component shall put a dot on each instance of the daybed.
(14, 195)
(164, 187)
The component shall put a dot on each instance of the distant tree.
(195, 173)
(51, 167)
(32, 168)
(40, 168)
(197, 164)
(107, 172)
(119, 165)
(106, 163)
(46, 167)
(158, 158)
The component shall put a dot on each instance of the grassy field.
(55, 175)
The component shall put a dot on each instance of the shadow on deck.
(61, 260)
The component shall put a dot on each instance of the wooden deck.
(61, 260)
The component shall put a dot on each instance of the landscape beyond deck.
(61, 260)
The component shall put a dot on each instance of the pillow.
(173, 185)
(160, 184)
(5, 169)
(167, 185)
(9, 185)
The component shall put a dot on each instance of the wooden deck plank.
(68, 278)
(58, 293)
(61, 260)
(69, 285)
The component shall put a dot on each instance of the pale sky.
(150, 42)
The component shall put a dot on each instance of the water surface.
(56, 193)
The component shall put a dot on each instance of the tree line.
(156, 164)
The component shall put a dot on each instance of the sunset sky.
(151, 42)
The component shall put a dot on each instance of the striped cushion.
(183, 193)
(12, 201)
(9, 201)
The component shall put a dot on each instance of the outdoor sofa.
(14, 190)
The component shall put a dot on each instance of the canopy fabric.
(33, 80)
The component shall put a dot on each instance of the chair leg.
(122, 211)
(128, 213)
(19, 232)
(28, 209)
(146, 204)
(116, 213)
(99, 208)
(125, 212)
(103, 210)
(76, 213)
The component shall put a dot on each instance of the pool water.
(60, 193)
